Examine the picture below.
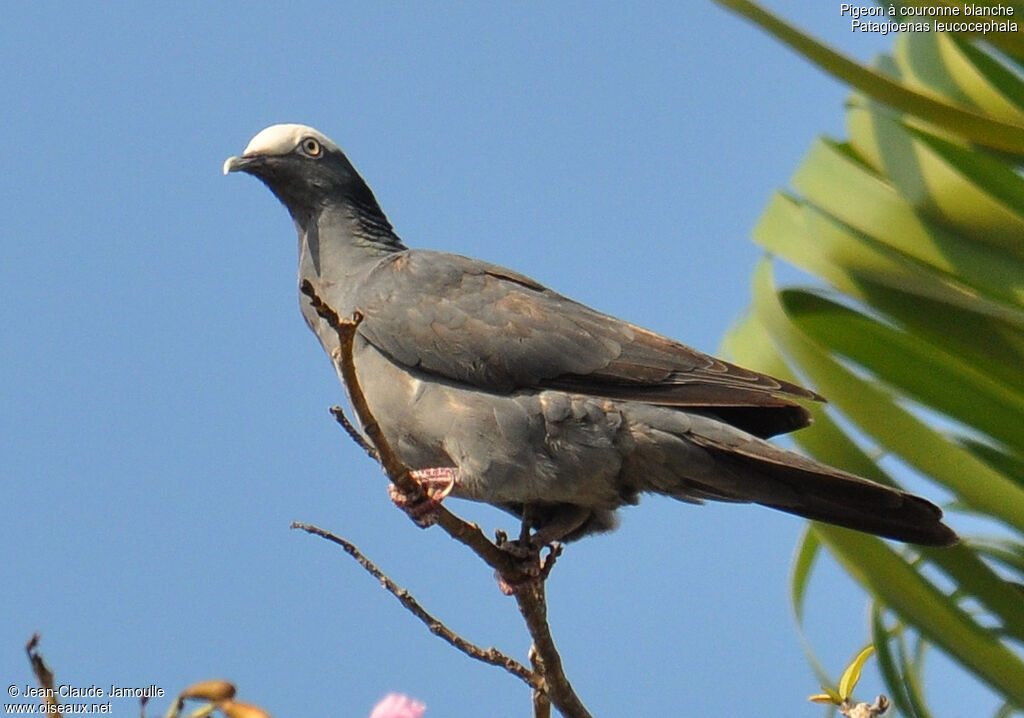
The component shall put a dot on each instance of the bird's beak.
(239, 164)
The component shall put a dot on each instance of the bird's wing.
(480, 324)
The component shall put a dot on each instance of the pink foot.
(437, 483)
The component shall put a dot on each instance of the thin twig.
(534, 608)
(339, 416)
(43, 674)
(530, 597)
(489, 655)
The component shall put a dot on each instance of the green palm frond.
(914, 226)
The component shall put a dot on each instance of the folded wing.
(480, 324)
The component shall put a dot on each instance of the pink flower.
(395, 705)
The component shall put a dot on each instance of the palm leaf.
(914, 226)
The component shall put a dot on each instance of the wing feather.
(480, 324)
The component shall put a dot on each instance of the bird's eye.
(311, 147)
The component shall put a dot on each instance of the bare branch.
(541, 702)
(534, 609)
(339, 416)
(489, 655)
(530, 597)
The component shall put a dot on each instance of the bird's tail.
(735, 466)
(823, 493)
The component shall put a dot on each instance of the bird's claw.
(436, 483)
(522, 550)
(530, 567)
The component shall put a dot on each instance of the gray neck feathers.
(368, 224)
(343, 238)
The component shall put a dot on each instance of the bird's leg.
(526, 550)
(559, 524)
(556, 524)
(526, 524)
(436, 483)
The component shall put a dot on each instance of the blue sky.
(164, 408)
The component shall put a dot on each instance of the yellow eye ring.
(311, 147)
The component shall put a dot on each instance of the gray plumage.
(543, 404)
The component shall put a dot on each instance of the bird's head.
(304, 168)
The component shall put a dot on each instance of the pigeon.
(503, 391)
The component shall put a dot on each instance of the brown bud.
(210, 691)
(237, 709)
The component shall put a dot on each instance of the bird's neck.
(337, 249)
(364, 221)
(342, 241)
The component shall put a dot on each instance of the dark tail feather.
(798, 485)
(915, 520)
